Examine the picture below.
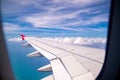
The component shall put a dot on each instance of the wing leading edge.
(68, 62)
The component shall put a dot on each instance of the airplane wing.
(68, 62)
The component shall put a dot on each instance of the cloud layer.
(15, 39)
(91, 42)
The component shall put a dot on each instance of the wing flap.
(87, 76)
(59, 70)
(68, 68)
(74, 67)
(92, 66)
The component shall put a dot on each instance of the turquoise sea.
(25, 68)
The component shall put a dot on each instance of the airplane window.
(60, 30)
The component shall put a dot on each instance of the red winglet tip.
(22, 36)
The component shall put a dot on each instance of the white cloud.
(55, 13)
(58, 20)
(38, 3)
(77, 2)
(98, 29)
(61, 20)
(91, 20)
(15, 39)
(10, 27)
(97, 19)
(13, 28)
(72, 1)
(16, 6)
(91, 42)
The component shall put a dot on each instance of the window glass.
(71, 22)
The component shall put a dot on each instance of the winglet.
(22, 36)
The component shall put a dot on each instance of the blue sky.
(53, 17)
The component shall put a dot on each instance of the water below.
(25, 68)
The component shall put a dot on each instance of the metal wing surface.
(67, 61)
